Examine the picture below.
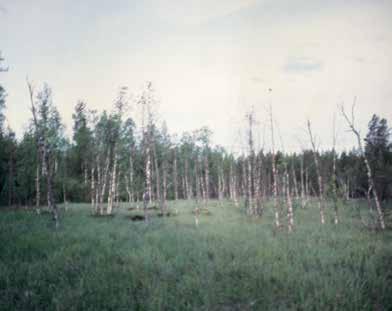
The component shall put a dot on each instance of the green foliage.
(231, 262)
(2, 98)
(379, 152)
(26, 168)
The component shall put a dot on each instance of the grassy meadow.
(229, 262)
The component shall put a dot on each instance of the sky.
(210, 62)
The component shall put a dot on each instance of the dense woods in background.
(110, 160)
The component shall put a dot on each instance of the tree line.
(110, 160)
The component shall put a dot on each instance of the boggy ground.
(228, 262)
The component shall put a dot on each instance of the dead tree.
(319, 177)
(258, 185)
(371, 185)
(289, 202)
(287, 193)
(303, 190)
(250, 204)
(334, 177)
(274, 173)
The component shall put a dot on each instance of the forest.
(124, 216)
(109, 160)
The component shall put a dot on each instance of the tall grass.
(229, 262)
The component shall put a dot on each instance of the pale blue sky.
(209, 60)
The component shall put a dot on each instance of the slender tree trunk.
(197, 181)
(303, 190)
(231, 182)
(274, 174)
(85, 174)
(164, 185)
(117, 190)
(224, 184)
(251, 166)
(44, 155)
(334, 177)
(49, 180)
(290, 213)
(127, 188)
(295, 182)
(131, 199)
(203, 188)
(98, 189)
(233, 185)
(235, 192)
(184, 189)
(371, 185)
(249, 188)
(221, 186)
(187, 186)
(319, 177)
(244, 192)
(38, 188)
(112, 187)
(104, 182)
(334, 190)
(93, 188)
(146, 199)
(372, 188)
(258, 186)
(307, 190)
(147, 172)
(207, 174)
(175, 176)
(157, 178)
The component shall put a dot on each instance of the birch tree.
(47, 128)
(334, 176)
(319, 177)
(274, 171)
(371, 185)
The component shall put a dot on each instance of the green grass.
(230, 262)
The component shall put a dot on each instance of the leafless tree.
(319, 177)
(334, 176)
(274, 171)
(371, 185)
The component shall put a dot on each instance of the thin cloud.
(303, 65)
